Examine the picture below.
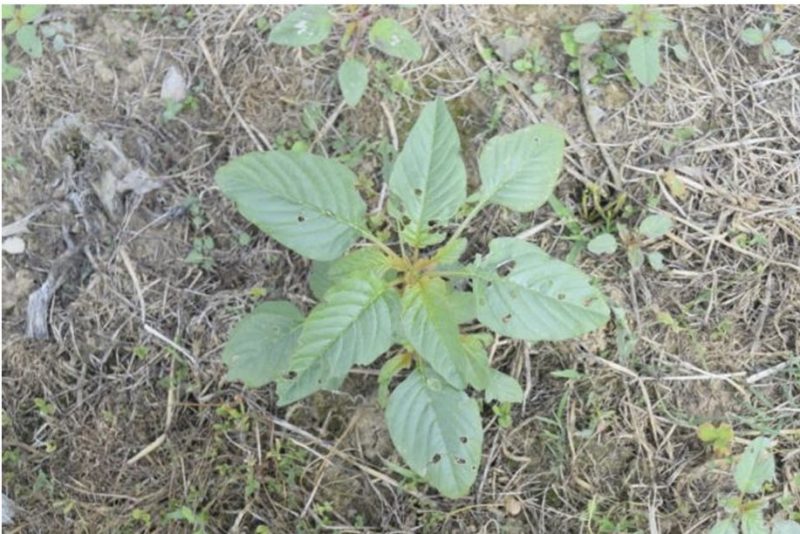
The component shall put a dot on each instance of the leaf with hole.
(519, 170)
(259, 347)
(306, 25)
(391, 37)
(306, 202)
(437, 430)
(428, 178)
(353, 77)
(644, 59)
(525, 294)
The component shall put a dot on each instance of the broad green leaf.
(428, 177)
(476, 368)
(525, 294)
(437, 430)
(571, 47)
(644, 59)
(786, 526)
(656, 22)
(260, 345)
(519, 170)
(725, 526)
(587, 33)
(304, 26)
(451, 252)
(352, 325)
(782, 46)
(720, 437)
(752, 36)
(29, 41)
(30, 13)
(503, 388)
(431, 327)
(602, 244)
(353, 77)
(8, 11)
(308, 203)
(654, 226)
(463, 306)
(755, 467)
(390, 37)
(361, 261)
(753, 521)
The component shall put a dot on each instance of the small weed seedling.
(310, 25)
(769, 44)
(410, 295)
(20, 21)
(753, 472)
(651, 227)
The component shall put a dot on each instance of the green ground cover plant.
(310, 25)
(407, 293)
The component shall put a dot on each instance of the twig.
(39, 300)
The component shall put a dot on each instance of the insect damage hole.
(436, 458)
(506, 318)
(460, 461)
(301, 217)
(463, 439)
(505, 268)
(418, 192)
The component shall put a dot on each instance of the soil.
(121, 419)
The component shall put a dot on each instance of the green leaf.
(644, 59)
(720, 437)
(569, 43)
(388, 371)
(567, 374)
(450, 253)
(753, 521)
(30, 13)
(655, 226)
(587, 33)
(352, 325)
(519, 170)
(306, 202)
(304, 26)
(12, 26)
(361, 261)
(680, 52)
(390, 37)
(9, 12)
(353, 78)
(11, 72)
(428, 178)
(635, 257)
(431, 327)
(503, 388)
(725, 526)
(656, 260)
(785, 526)
(752, 36)
(755, 467)
(782, 46)
(260, 345)
(602, 244)
(437, 430)
(540, 298)
(29, 41)
(463, 306)
(476, 368)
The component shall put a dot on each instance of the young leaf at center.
(643, 56)
(429, 178)
(353, 77)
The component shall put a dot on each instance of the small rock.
(174, 85)
(14, 245)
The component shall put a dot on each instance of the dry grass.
(136, 332)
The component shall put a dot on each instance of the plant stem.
(471, 215)
(377, 242)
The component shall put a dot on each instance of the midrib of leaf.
(311, 356)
